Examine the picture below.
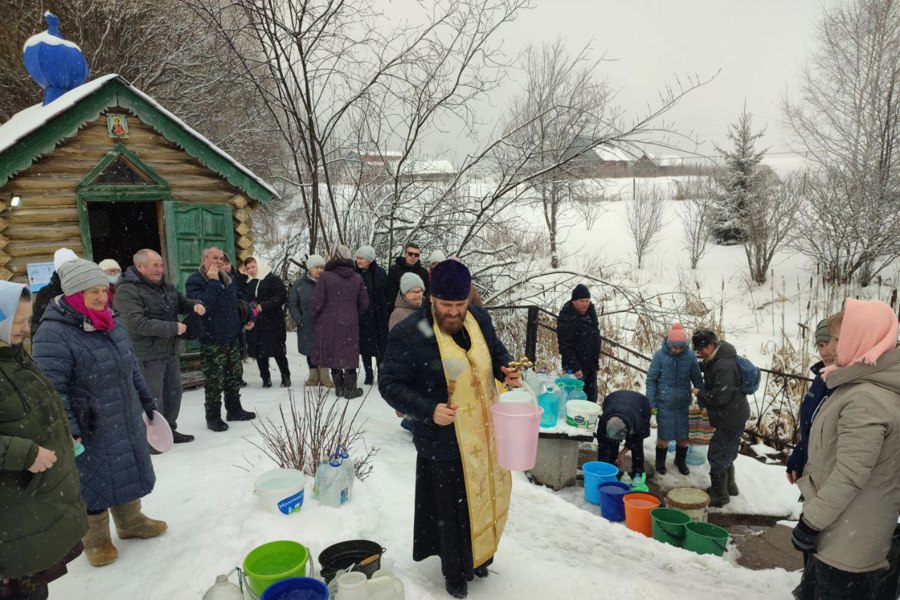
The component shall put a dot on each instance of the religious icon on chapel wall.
(116, 126)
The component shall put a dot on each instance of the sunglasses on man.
(413, 254)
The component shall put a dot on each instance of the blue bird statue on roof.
(54, 62)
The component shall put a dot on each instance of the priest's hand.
(513, 377)
(443, 415)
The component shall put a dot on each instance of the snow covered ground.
(555, 545)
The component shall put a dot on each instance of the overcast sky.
(759, 47)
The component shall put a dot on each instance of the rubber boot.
(338, 376)
(132, 523)
(732, 484)
(350, 389)
(235, 412)
(98, 546)
(214, 420)
(718, 491)
(681, 460)
(661, 460)
(325, 379)
(313, 379)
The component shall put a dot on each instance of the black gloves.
(804, 537)
(149, 408)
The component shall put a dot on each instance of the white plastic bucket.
(582, 414)
(281, 490)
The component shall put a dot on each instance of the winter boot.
(235, 412)
(132, 523)
(732, 484)
(267, 382)
(661, 460)
(286, 381)
(325, 379)
(458, 588)
(313, 379)
(181, 438)
(370, 372)
(481, 571)
(350, 389)
(98, 546)
(718, 491)
(681, 460)
(338, 376)
(214, 420)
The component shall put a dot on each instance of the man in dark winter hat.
(439, 370)
(578, 337)
(727, 407)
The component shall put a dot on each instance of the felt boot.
(350, 389)
(338, 376)
(661, 460)
(214, 420)
(732, 484)
(718, 491)
(325, 379)
(98, 546)
(132, 523)
(681, 460)
(313, 379)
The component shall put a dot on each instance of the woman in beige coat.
(850, 486)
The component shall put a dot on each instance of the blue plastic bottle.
(550, 403)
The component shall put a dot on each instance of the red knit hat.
(677, 334)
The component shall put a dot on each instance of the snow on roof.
(33, 118)
(612, 154)
(428, 167)
(48, 38)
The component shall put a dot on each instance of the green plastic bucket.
(274, 561)
(705, 538)
(668, 525)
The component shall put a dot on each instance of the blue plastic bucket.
(297, 588)
(612, 496)
(595, 473)
(696, 455)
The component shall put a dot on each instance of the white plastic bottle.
(223, 590)
(329, 477)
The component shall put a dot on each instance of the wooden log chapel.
(103, 169)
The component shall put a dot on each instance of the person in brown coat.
(409, 300)
(851, 492)
(338, 300)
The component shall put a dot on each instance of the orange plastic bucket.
(637, 512)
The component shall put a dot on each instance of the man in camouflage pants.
(219, 344)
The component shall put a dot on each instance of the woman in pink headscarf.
(850, 486)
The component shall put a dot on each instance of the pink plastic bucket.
(516, 427)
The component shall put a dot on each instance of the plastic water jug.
(550, 403)
(223, 590)
(578, 395)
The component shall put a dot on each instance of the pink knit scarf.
(101, 319)
(869, 330)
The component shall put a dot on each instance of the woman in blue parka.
(84, 349)
(673, 372)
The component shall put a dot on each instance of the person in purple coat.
(338, 300)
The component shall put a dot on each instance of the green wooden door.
(190, 228)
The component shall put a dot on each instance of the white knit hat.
(108, 263)
(63, 255)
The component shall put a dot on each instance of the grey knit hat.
(823, 334)
(79, 275)
(342, 252)
(314, 260)
(616, 429)
(366, 252)
(410, 281)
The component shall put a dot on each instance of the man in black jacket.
(451, 341)
(150, 306)
(728, 411)
(578, 337)
(408, 263)
(625, 417)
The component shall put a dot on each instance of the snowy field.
(555, 545)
